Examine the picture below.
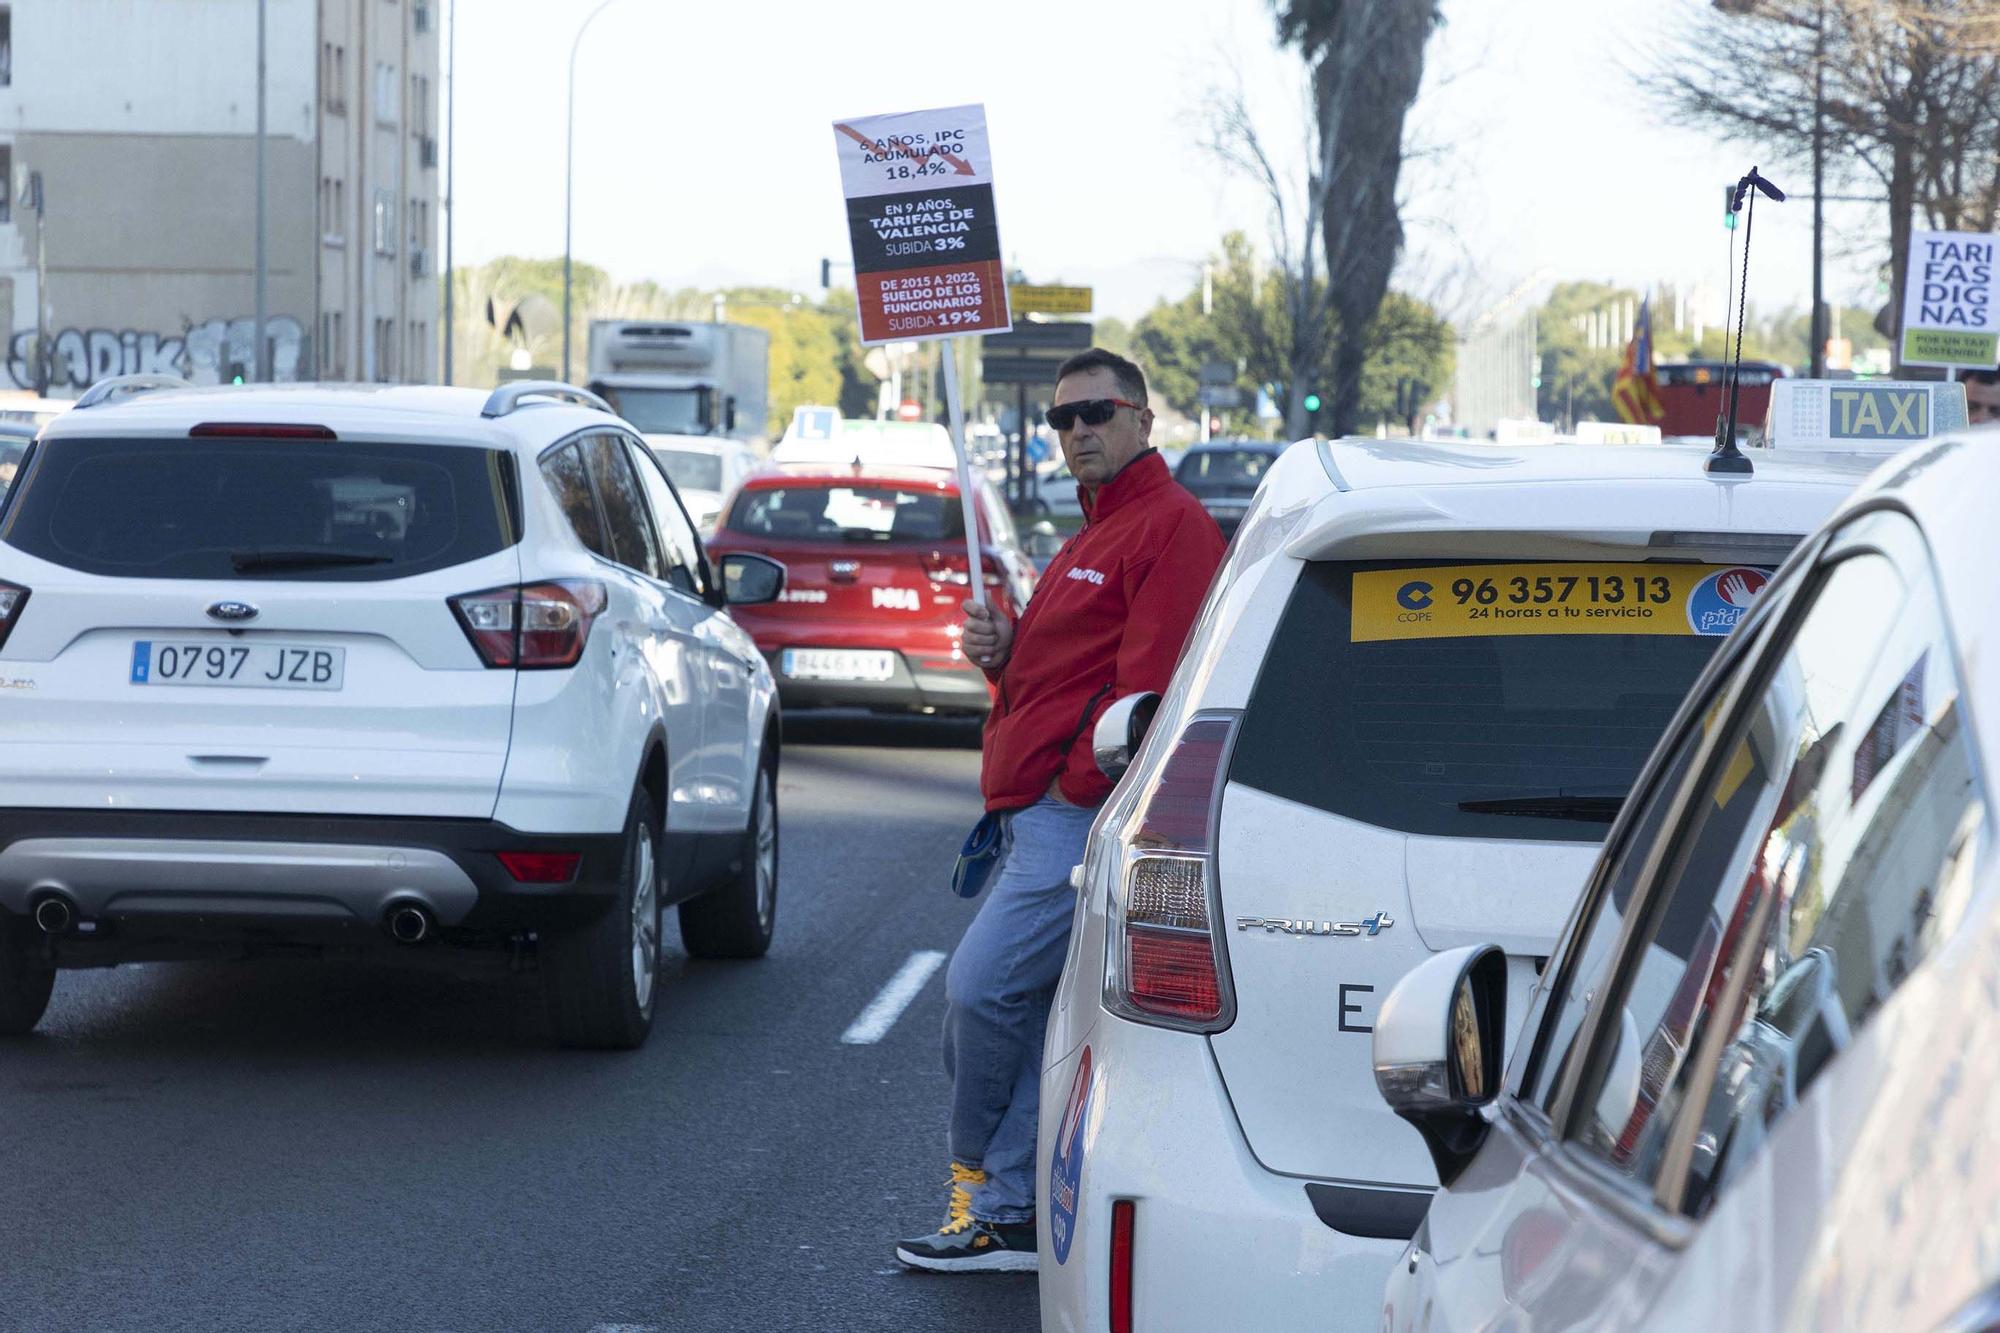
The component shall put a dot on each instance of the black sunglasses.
(1091, 412)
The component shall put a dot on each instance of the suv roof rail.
(510, 397)
(120, 385)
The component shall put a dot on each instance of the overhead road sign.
(1019, 369)
(919, 189)
(1948, 300)
(1050, 300)
(1029, 339)
(1219, 395)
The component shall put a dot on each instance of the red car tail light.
(13, 597)
(952, 567)
(536, 626)
(541, 867)
(1168, 964)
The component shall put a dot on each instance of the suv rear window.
(847, 513)
(1397, 732)
(275, 509)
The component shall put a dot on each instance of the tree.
(1909, 95)
(1248, 326)
(1367, 61)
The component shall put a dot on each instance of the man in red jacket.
(1107, 619)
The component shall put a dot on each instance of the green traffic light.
(1312, 402)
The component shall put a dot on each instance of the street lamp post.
(569, 175)
(450, 162)
(259, 364)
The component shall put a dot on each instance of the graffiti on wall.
(201, 353)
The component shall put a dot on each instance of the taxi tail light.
(535, 626)
(1121, 1266)
(1169, 966)
(13, 597)
(951, 567)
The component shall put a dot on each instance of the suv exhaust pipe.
(55, 915)
(408, 923)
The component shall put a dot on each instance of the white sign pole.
(948, 350)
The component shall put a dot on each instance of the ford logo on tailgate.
(233, 611)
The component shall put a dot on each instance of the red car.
(875, 575)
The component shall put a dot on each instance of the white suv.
(1423, 681)
(365, 668)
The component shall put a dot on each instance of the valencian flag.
(1636, 391)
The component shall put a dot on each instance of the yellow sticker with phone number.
(1476, 601)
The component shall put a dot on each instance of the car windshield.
(1496, 700)
(290, 509)
(691, 471)
(1224, 471)
(848, 513)
(661, 411)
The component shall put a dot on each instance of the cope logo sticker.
(1720, 600)
(1414, 596)
(1066, 1170)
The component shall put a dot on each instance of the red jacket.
(1108, 619)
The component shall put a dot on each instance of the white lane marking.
(883, 1011)
(624, 1328)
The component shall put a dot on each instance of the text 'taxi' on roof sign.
(919, 189)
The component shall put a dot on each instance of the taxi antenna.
(1727, 457)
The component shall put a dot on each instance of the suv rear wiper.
(1589, 809)
(243, 562)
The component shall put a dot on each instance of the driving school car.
(1422, 683)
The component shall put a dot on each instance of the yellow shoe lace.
(958, 1214)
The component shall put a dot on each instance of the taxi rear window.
(847, 513)
(1496, 700)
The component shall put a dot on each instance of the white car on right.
(1424, 679)
(1754, 1087)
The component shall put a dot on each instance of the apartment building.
(139, 118)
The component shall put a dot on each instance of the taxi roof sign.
(1861, 416)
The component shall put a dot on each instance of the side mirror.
(1437, 1050)
(751, 580)
(1044, 542)
(1119, 732)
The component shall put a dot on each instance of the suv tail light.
(1168, 965)
(12, 598)
(531, 627)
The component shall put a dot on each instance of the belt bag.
(984, 848)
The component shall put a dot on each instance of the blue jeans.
(997, 994)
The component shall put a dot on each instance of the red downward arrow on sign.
(958, 164)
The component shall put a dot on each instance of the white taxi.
(1754, 1086)
(1423, 682)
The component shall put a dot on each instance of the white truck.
(685, 379)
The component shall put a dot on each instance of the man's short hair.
(1982, 376)
(1131, 379)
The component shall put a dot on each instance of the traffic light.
(1312, 402)
(1729, 208)
(826, 273)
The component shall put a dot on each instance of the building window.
(385, 222)
(333, 77)
(420, 105)
(339, 346)
(385, 350)
(385, 93)
(6, 183)
(6, 46)
(420, 351)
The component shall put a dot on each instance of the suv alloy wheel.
(600, 979)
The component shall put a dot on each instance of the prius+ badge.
(233, 611)
(1275, 925)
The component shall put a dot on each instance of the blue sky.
(704, 152)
